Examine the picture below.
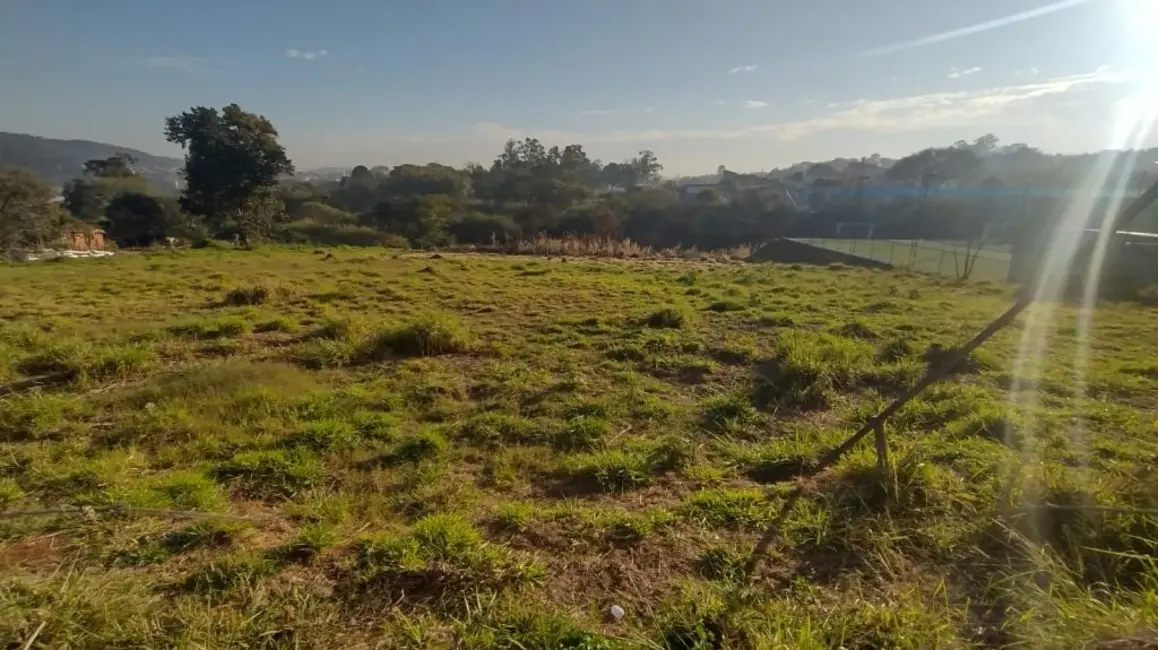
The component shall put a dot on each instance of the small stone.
(615, 613)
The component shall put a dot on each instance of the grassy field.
(489, 452)
(925, 256)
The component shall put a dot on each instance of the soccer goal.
(850, 235)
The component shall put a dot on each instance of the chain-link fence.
(955, 259)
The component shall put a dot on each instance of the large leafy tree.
(28, 215)
(952, 163)
(422, 219)
(232, 163)
(87, 197)
(140, 219)
(646, 167)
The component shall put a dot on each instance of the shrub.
(309, 231)
(480, 228)
(319, 212)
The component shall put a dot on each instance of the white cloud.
(954, 73)
(933, 111)
(721, 102)
(742, 68)
(193, 64)
(307, 55)
(754, 103)
(1039, 106)
(598, 112)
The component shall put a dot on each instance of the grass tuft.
(729, 414)
(729, 508)
(439, 552)
(670, 318)
(494, 428)
(427, 444)
(276, 471)
(243, 570)
(432, 335)
(324, 435)
(256, 294)
(583, 432)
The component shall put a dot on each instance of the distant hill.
(59, 161)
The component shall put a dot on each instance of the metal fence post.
(941, 264)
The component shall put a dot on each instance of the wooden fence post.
(882, 441)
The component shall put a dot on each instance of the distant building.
(732, 186)
(80, 236)
(692, 191)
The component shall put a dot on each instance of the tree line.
(239, 186)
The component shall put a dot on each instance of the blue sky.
(750, 84)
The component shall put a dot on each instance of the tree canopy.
(88, 197)
(29, 217)
(232, 163)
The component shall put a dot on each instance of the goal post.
(851, 231)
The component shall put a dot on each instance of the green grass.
(489, 457)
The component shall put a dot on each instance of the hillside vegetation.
(59, 161)
(415, 450)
